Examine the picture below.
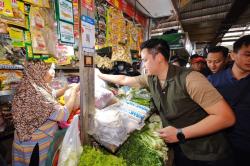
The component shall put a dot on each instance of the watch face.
(181, 136)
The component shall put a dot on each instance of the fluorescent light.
(226, 43)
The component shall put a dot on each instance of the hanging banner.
(89, 4)
(76, 19)
(129, 10)
(88, 34)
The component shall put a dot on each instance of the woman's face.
(49, 76)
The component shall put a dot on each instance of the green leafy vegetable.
(94, 157)
(144, 148)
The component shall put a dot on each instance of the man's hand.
(97, 71)
(168, 134)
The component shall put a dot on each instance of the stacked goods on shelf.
(9, 54)
(122, 36)
(9, 79)
(132, 35)
(101, 25)
(42, 31)
(116, 27)
(103, 62)
(13, 12)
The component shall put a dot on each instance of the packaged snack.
(29, 52)
(6, 8)
(37, 20)
(27, 37)
(38, 42)
(46, 3)
(121, 53)
(18, 9)
(16, 36)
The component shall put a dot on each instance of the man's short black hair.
(243, 41)
(157, 45)
(222, 49)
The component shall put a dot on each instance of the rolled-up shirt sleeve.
(142, 80)
(201, 90)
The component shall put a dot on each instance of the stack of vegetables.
(145, 147)
(95, 157)
(139, 96)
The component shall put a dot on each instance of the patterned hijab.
(33, 102)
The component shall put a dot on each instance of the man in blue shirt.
(234, 85)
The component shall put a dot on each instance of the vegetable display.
(94, 157)
(144, 148)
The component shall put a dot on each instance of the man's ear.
(232, 55)
(160, 57)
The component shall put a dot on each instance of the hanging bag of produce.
(71, 146)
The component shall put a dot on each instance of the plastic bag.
(59, 82)
(67, 95)
(113, 124)
(102, 97)
(71, 146)
(108, 129)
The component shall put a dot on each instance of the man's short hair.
(222, 49)
(157, 45)
(243, 41)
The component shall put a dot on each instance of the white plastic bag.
(71, 146)
(102, 97)
(113, 124)
(108, 129)
(67, 95)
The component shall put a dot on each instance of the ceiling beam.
(160, 30)
(196, 30)
(204, 18)
(206, 11)
(203, 4)
(238, 7)
(200, 21)
(168, 24)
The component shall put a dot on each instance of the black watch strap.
(180, 136)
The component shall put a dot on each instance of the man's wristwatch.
(180, 136)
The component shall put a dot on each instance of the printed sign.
(66, 11)
(88, 34)
(66, 32)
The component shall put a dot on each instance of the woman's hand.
(76, 87)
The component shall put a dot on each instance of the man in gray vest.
(193, 112)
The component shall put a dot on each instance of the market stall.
(78, 36)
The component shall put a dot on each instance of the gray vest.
(177, 109)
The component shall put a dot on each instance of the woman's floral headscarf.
(33, 102)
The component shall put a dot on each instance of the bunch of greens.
(94, 157)
(144, 148)
(139, 96)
